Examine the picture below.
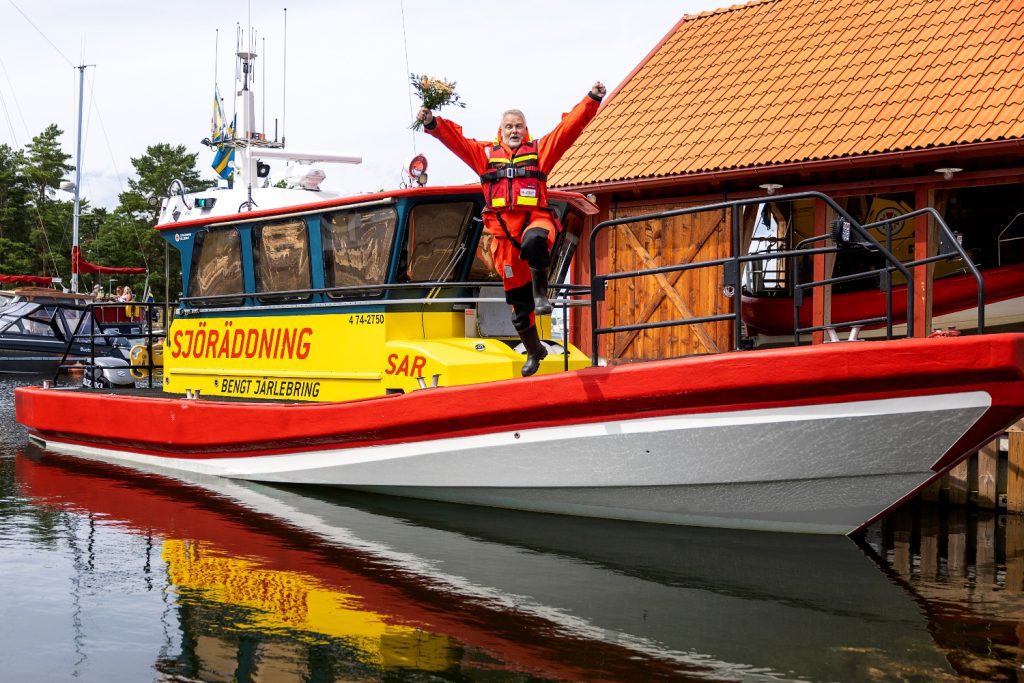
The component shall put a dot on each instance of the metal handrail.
(78, 336)
(732, 265)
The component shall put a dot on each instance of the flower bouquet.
(434, 93)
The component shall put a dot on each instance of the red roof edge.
(647, 58)
(945, 152)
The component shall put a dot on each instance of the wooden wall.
(661, 242)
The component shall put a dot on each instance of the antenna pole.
(284, 77)
(263, 91)
(78, 180)
(216, 50)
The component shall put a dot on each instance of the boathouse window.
(436, 241)
(281, 261)
(217, 268)
(357, 248)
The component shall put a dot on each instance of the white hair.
(517, 112)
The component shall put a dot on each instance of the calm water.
(109, 575)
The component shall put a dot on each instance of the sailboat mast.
(78, 179)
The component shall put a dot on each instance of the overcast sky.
(346, 76)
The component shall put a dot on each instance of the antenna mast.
(284, 77)
(78, 179)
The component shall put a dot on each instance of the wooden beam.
(926, 243)
(821, 301)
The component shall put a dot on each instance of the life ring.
(138, 358)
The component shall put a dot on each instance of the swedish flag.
(225, 155)
(222, 161)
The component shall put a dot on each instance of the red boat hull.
(810, 439)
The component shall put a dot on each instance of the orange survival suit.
(514, 184)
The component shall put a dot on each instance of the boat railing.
(949, 247)
(846, 233)
(152, 314)
(383, 294)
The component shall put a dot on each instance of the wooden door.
(687, 294)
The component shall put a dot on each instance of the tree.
(126, 236)
(46, 163)
(33, 225)
(13, 196)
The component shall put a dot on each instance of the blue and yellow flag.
(225, 154)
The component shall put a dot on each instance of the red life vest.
(515, 183)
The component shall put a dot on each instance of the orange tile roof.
(781, 81)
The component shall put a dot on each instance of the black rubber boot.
(535, 350)
(540, 292)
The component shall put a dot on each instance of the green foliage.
(14, 196)
(46, 164)
(35, 227)
(16, 258)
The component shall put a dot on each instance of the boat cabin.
(347, 297)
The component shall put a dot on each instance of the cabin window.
(436, 241)
(357, 248)
(281, 261)
(217, 268)
(482, 269)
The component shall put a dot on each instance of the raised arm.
(472, 152)
(554, 144)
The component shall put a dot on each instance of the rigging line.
(7, 118)
(17, 105)
(408, 85)
(117, 171)
(39, 31)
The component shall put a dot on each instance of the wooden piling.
(958, 488)
(988, 467)
(1015, 469)
(988, 479)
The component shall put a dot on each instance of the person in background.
(513, 170)
(127, 295)
(119, 293)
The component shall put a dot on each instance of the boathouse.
(886, 105)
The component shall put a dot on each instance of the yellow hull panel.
(338, 356)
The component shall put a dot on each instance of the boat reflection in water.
(273, 585)
(967, 569)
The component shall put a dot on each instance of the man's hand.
(425, 116)
(599, 90)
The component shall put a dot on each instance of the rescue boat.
(363, 342)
